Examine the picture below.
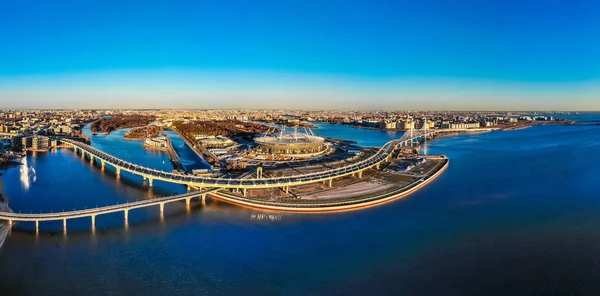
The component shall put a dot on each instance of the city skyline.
(336, 55)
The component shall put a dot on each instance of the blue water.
(515, 213)
(363, 137)
(190, 159)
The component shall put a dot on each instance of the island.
(144, 132)
(106, 125)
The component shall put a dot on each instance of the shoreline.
(329, 207)
(133, 138)
(516, 128)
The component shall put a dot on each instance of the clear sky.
(477, 54)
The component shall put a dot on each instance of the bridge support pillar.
(37, 225)
(360, 174)
(118, 171)
(330, 182)
(188, 201)
(65, 224)
(189, 188)
(259, 172)
(126, 214)
(93, 220)
(287, 189)
(245, 192)
(9, 223)
(150, 182)
(377, 165)
(162, 207)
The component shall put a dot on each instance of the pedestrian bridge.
(93, 212)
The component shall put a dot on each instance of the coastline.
(316, 208)
(516, 128)
(125, 137)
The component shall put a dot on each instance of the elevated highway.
(150, 174)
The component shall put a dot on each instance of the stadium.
(296, 144)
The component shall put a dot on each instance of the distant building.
(159, 143)
(40, 143)
(216, 142)
(16, 141)
(63, 129)
(35, 143)
(462, 125)
(26, 142)
(387, 125)
(405, 124)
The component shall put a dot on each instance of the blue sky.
(300, 54)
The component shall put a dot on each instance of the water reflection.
(269, 217)
(27, 174)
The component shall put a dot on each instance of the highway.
(200, 181)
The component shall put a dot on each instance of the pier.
(174, 157)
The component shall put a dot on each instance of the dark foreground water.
(515, 213)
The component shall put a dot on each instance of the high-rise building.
(26, 142)
(35, 143)
(16, 141)
(40, 143)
